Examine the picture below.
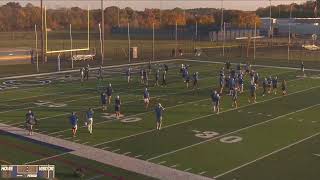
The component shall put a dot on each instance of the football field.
(278, 137)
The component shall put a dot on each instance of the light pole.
(36, 38)
(129, 44)
(289, 34)
(70, 29)
(102, 29)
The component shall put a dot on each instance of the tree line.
(14, 17)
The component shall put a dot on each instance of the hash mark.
(186, 170)
(162, 162)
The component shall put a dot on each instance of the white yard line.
(201, 117)
(43, 159)
(232, 132)
(267, 155)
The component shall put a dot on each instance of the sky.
(163, 4)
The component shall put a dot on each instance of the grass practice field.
(275, 138)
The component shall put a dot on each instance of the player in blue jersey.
(251, 75)
(141, 75)
(74, 123)
(215, 97)
(241, 82)
(159, 110)
(103, 100)
(166, 68)
(195, 81)
(100, 73)
(228, 65)
(232, 86)
(146, 98)
(86, 71)
(157, 77)
(89, 122)
(238, 68)
(221, 82)
(117, 107)
(81, 74)
(145, 78)
(182, 69)
(256, 78)
(253, 96)
(275, 84)
(187, 78)
(164, 78)
(247, 68)
(235, 98)
(109, 92)
(30, 121)
(264, 86)
(302, 68)
(284, 87)
(269, 79)
(128, 74)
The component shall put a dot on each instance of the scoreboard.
(27, 171)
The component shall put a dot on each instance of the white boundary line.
(43, 159)
(186, 170)
(267, 155)
(232, 132)
(77, 70)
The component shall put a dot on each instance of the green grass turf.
(15, 150)
(185, 113)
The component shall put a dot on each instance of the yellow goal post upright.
(71, 49)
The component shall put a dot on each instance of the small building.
(301, 27)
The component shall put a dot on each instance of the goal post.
(67, 50)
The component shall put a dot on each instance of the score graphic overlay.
(27, 171)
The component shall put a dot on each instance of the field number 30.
(212, 134)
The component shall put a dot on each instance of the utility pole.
(36, 38)
(102, 29)
(271, 22)
(289, 35)
(42, 33)
(152, 42)
(129, 44)
(175, 53)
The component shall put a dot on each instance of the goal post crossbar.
(67, 50)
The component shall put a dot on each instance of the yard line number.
(122, 118)
(212, 134)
